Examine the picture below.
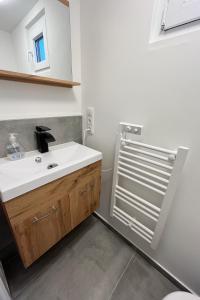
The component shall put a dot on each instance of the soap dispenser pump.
(14, 150)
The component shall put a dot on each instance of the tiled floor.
(91, 263)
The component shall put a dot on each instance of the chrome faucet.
(43, 138)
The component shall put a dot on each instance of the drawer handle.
(36, 219)
(92, 185)
(81, 193)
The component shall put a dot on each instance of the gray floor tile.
(142, 281)
(84, 266)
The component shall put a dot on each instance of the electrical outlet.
(90, 120)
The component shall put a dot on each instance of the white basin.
(21, 176)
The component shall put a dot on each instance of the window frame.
(164, 26)
(36, 28)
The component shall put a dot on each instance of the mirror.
(35, 38)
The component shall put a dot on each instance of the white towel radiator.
(144, 183)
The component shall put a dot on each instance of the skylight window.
(180, 12)
(40, 49)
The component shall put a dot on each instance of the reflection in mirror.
(35, 37)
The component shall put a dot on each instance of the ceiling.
(12, 11)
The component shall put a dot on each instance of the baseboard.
(153, 262)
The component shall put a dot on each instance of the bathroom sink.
(36, 169)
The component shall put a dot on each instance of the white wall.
(59, 39)
(158, 85)
(7, 57)
(20, 39)
(20, 100)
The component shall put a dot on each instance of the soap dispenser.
(14, 150)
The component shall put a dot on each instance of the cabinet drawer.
(84, 198)
(42, 229)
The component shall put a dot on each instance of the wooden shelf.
(27, 78)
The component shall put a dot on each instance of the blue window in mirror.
(40, 49)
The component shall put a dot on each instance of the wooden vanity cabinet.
(42, 217)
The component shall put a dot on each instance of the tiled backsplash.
(64, 129)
